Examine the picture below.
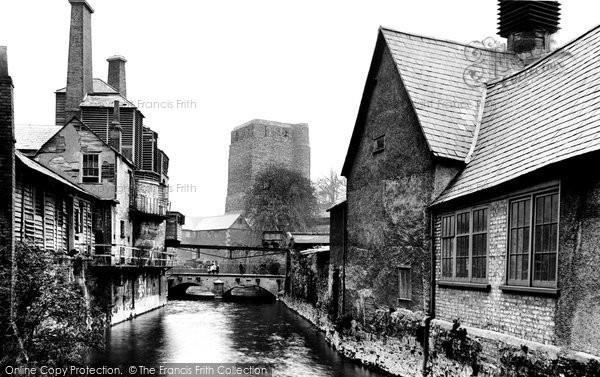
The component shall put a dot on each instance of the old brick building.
(258, 143)
(470, 198)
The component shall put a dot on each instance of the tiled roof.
(211, 223)
(446, 98)
(32, 137)
(546, 113)
(99, 86)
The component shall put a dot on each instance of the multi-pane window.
(533, 240)
(447, 246)
(464, 246)
(90, 170)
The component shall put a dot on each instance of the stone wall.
(388, 192)
(258, 143)
(124, 294)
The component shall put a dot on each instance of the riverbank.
(380, 352)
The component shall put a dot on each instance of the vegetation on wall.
(53, 324)
(280, 199)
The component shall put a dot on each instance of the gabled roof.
(98, 86)
(445, 83)
(446, 99)
(36, 166)
(544, 114)
(32, 137)
(212, 222)
(75, 119)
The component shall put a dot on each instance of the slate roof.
(105, 100)
(212, 222)
(32, 137)
(546, 113)
(446, 98)
(98, 85)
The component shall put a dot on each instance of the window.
(533, 240)
(91, 170)
(78, 220)
(378, 144)
(122, 229)
(404, 283)
(464, 246)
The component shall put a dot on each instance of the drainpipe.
(431, 310)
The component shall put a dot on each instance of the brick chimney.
(116, 74)
(79, 72)
(528, 26)
(7, 155)
(115, 133)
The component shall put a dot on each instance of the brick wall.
(7, 154)
(527, 317)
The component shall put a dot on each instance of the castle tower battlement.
(258, 143)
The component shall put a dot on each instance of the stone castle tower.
(258, 143)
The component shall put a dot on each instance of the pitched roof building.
(470, 194)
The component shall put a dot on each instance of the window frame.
(376, 147)
(98, 168)
(408, 270)
(469, 279)
(530, 282)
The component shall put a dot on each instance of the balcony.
(126, 256)
(153, 206)
(148, 196)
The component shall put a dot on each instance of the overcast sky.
(232, 61)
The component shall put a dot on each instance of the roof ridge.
(545, 58)
(445, 40)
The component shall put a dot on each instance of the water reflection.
(220, 332)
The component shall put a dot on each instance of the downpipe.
(431, 314)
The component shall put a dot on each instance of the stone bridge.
(239, 285)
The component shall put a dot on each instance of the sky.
(198, 68)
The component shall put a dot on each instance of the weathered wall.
(578, 310)
(127, 293)
(387, 196)
(7, 154)
(63, 154)
(258, 143)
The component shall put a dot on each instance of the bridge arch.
(179, 289)
(248, 292)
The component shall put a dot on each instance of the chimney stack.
(115, 133)
(7, 155)
(116, 74)
(79, 72)
(528, 26)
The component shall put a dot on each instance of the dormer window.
(90, 168)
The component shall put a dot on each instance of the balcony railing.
(127, 256)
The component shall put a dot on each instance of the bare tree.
(330, 189)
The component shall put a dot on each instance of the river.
(222, 332)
